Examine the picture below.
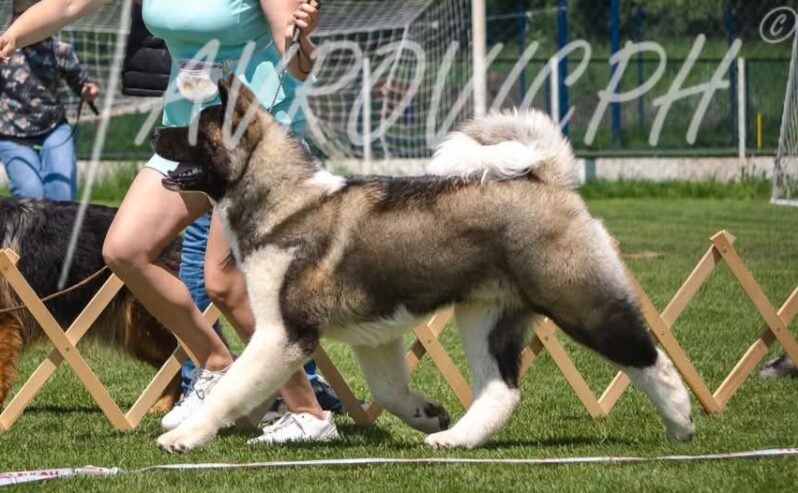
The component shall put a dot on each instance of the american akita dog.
(497, 230)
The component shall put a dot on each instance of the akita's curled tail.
(506, 145)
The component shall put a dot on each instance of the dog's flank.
(366, 259)
(38, 230)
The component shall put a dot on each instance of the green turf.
(62, 428)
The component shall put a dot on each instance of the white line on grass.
(11, 478)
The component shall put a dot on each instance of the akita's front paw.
(184, 439)
(430, 417)
(450, 439)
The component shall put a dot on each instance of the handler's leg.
(149, 218)
(267, 361)
(227, 289)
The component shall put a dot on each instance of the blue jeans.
(46, 171)
(192, 273)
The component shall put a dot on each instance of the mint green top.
(187, 26)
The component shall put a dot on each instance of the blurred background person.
(36, 142)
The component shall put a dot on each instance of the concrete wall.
(652, 169)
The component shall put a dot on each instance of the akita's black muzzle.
(172, 143)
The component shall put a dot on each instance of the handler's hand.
(7, 46)
(306, 17)
(89, 91)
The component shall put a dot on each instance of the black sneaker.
(779, 367)
(328, 399)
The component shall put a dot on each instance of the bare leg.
(385, 369)
(149, 218)
(227, 288)
(269, 359)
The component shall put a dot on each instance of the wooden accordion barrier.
(543, 338)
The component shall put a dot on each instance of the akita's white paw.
(184, 439)
(430, 417)
(449, 439)
(681, 431)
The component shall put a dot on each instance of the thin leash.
(73, 133)
(64, 291)
(300, 53)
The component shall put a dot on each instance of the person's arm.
(43, 19)
(282, 16)
(73, 72)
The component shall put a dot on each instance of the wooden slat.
(166, 373)
(444, 363)
(755, 293)
(155, 388)
(45, 370)
(688, 290)
(545, 330)
(336, 380)
(671, 346)
(614, 391)
(70, 354)
(530, 353)
(754, 355)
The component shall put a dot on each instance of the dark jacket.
(147, 61)
(29, 102)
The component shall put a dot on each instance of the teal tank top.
(186, 27)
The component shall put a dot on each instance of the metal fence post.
(480, 69)
(641, 102)
(562, 40)
(615, 35)
(367, 111)
(522, 27)
(741, 107)
(728, 14)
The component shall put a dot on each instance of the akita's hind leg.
(492, 341)
(662, 384)
(615, 329)
(385, 369)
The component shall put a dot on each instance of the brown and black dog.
(39, 231)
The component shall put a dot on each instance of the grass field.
(62, 428)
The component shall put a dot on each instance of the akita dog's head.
(227, 138)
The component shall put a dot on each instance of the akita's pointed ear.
(224, 88)
(245, 96)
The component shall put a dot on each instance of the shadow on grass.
(368, 434)
(557, 442)
(61, 410)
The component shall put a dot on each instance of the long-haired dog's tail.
(506, 145)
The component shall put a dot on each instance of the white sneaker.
(298, 427)
(201, 385)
